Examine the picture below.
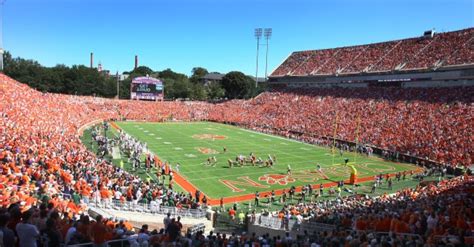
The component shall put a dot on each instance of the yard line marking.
(281, 162)
(305, 163)
(190, 155)
(279, 137)
(253, 144)
(308, 168)
(167, 143)
(282, 171)
(178, 148)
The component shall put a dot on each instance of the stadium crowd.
(317, 58)
(293, 62)
(428, 123)
(436, 212)
(43, 162)
(450, 48)
(341, 59)
(46, 171)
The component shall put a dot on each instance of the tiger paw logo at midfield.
(209, 137)
(206, 150)
(276, 179)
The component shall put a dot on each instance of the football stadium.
(369, 144)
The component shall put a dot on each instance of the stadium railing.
(275, 223)
(115, 242)
(196, 228)
(387, 233)
(148, 208)
(312, 226)
(453, 239)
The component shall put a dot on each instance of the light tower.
(267, 34)
(1, 35)
(258, 35)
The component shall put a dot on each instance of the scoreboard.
(146, 88)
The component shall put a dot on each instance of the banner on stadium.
(146, 88)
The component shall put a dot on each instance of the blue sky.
(215, 34)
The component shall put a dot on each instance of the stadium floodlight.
(258, 36)
(267, 34)
(258, 33)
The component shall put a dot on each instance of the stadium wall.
(447, 83)
(447, 77)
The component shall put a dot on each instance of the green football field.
(190, 144)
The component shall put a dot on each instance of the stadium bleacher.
(429, 123)
(444, 49)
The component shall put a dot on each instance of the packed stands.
(400, 54)
(444, 49)
(432, 214)
(368, 57)
(341, 59)
(43, 162)
(47, 174)
(293, 62)
(444, 46)
(317, 59)
(429, 123)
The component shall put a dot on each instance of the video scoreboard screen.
(146, 88)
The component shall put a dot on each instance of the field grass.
(184, 143)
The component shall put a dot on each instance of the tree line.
(82, 80)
